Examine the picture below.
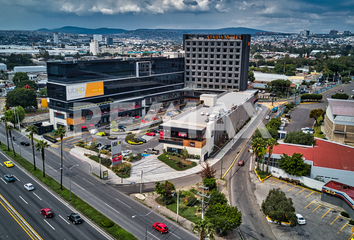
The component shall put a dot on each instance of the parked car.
(126, 152)
(308, 130)
(107, 127)
(8, 164)
(106, 147)
(75, 218)
(300, 219)
(150, 134)
(24, 143)
(47, 212)
(101, 134)
(267, 117)
(341, 90)
(162, 228)
(141, 139)
(28, 186)
(241, 162)
(9, 177)
(152, 151)
(121, 127)
(288, 115)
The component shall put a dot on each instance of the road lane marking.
(64, 219)
(316, 208)
(342, 228)
(309, 204)
(1, 164)
(153, 235)
(309, 194)
(334, 220)
(123, 203)
(326, 212)
(88, 181)
(17, 178)
(52, 168)
(78, 186)
(351, 235)
(49, 224)
(291, 188)
(275, 182)
(283, 185)
(37, 196)
(19, 219)
(175, 235)
(111, 208)
(3, 180)
(23, 200)
(300, 191)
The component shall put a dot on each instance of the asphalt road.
(115, 205)
(29, 203)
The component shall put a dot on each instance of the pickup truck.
(152, 151)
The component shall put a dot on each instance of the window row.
(213, 43)
(224, 56)
(211, 62)
(212, 80)
(212, 68)
(217, 50)
(211, 74)
(205, 86)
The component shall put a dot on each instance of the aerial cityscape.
(191, 119)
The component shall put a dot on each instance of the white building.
(97, 37)
(31, 69)
(3, 67)
(56, 38)
(94, 47)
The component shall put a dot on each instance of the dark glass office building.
(130, 86)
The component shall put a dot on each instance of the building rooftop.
(268, 77)
(342, 107)
(324, 154)
(349, 190)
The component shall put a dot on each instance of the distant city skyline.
(319, 16)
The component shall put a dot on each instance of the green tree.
(165, 189)
(251, 76)
(10, 128)
(217, 197)
(204, 228)
(4, 119)
(114, 125)
(316, 113)
(15, 115)
(340, 96)
(210, 183)
(43, 92)
(259, 145)
(294, 165)
(184, 153)
(224, 217)
(61, 133)
(32, 130)
(30, 83)
(21, 97)
(19, 77)
(40, 146)
(278, 207)
(300, 137)
(271, 142)
(258, 56)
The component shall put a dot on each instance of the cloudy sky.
(318, 16)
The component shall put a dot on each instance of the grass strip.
(163, 158)
(116, 231)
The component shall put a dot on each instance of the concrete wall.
(312, 183)
(328, 174)
(338, 202)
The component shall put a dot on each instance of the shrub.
(351, 222)
(210, 183)
(345, 214)
(80, 143)
(107, 223)
(104, 151)
(190, 200)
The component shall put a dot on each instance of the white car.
(308, 130)
(267, 117)
(29, 186)
(126, 152)
(300, 219)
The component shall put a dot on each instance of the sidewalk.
(150, 169)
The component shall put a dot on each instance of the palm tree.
(9, 128)
(4, 119)
(204, 228)
(41, 145)
(271, 143)
(61, 133)
(32, 130)
(258, 145)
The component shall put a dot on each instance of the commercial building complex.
(217, 62)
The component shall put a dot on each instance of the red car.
(136, 116)
(154, 118)
(144, 121)
(162, 228)
(241, 162)
(150, 134)
(47, 212)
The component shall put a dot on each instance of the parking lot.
(323, 220)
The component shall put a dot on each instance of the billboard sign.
(116, 148)
(105, 175)
(84, 90)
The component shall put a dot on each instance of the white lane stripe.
(23, 200)
(78, 186)
(88, 181)
(123, 203)
(1, 164)
(17, 178)
(49, 224)
(64, 219)
(37, 196)
(52, 168)
(3, 180)
(153, 235)
(111, 208)
(175, 235)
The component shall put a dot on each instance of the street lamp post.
(70, 176)
(146, 219)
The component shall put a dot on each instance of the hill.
(79, 30)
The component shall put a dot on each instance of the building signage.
(105, 175)
(116, 147)
(192, 144)
(224, 37)
(83, 90)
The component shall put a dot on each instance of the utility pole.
(221, 168)
(141, 182)
(203, 195)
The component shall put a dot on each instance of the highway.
(26, 207)
(115, 205)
